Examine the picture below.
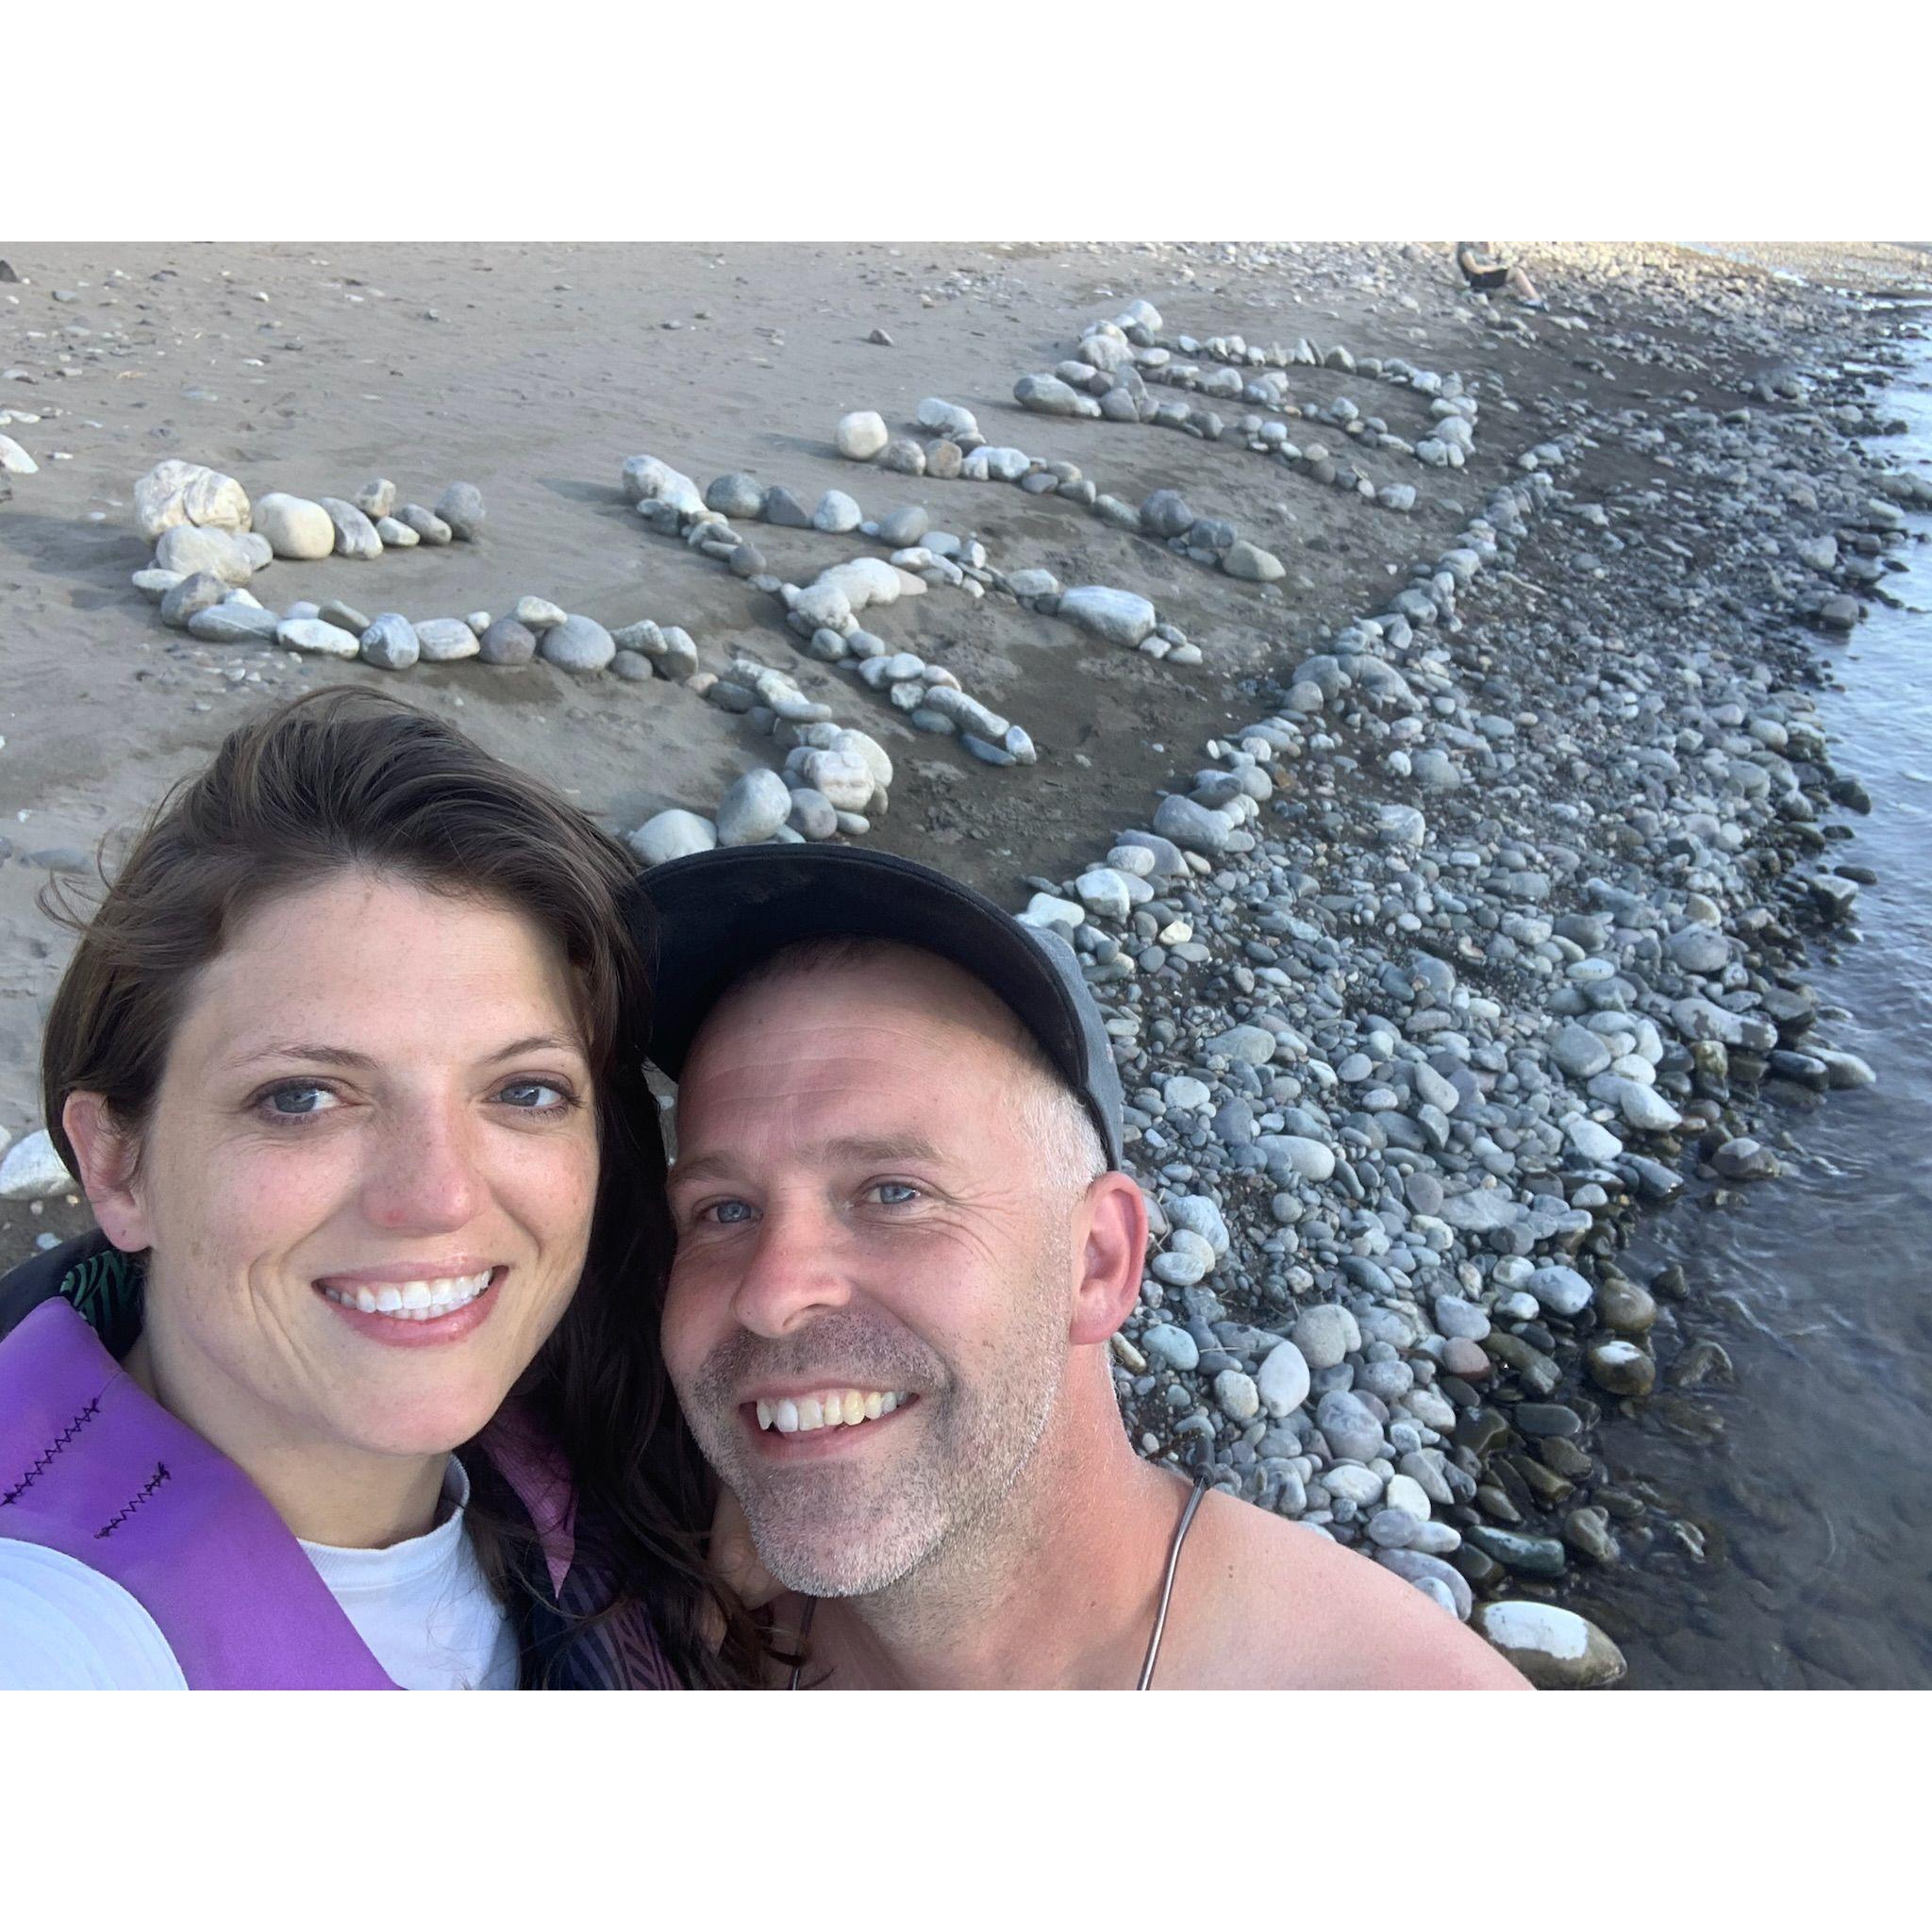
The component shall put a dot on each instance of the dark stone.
(1531, 1555)
(1481, 1568)
(1547, 1419)
(1479, 1430)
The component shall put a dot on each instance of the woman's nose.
(423, 1174)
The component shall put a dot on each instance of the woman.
(358, 1386)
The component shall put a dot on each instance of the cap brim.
(704, 921)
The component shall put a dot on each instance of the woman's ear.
(1112, 1232)
(106, 1158)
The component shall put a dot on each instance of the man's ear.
(1111, 1229)
(106, 1158)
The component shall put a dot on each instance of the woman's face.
(368, 1176)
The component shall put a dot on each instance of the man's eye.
(728, 1213)
(894, 1194)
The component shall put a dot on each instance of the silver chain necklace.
(1173, 1560)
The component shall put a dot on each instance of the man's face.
(863, 1228)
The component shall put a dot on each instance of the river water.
(1810, 1472)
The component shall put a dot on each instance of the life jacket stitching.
(134, 1502)
(44, 1461)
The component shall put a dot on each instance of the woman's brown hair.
(345, 778)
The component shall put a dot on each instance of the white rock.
(863, 581)
(1555, 1648)
(844, 777)
(33, 1172)
(445, 640)
(1186, 1260)
(946, 418)
(1120, 616)
(647, 481)
(1103, 892)
(1310, 1159)
(674, 834)
(186, 548)
(321, 640)
(755, 806)
(858, 744)
(15, 459)
(861, 434)
(1325, 1333)
(837, 513)
(1043, 908)
(175, 493)
(825, 606)
(297, 528)
(1283, 1379)
(1404, 1492)
(1592, 1139)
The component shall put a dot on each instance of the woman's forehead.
(371, 963)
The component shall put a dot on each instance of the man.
(904, 1241)
(1486, 272)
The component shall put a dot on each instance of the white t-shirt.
(422, 1607)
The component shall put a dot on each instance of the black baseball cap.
(705, 921)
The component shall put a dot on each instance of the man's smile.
(823, 1420)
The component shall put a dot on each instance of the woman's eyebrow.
(324, 1055)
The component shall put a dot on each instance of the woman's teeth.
(413, 1301)
(830, 1409)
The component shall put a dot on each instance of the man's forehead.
(892, 1000)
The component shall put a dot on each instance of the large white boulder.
(175, 492)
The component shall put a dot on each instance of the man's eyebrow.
(859, 1151)
(883, 1148)
(317, 1052)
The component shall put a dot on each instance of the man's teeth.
(413, 1301)
(829, 1408)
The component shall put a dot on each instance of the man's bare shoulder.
(1261, 1603)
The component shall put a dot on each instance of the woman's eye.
(728, 1213)
(894, 1194)
(297, 1101)
(519, 1091)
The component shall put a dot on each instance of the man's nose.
(425, 1176)
(793, 1273)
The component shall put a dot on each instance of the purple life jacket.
(98, 1470)
(94, 1467)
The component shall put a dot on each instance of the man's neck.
(1058, 1591)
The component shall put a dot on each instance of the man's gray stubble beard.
(820, 1533)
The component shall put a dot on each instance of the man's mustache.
(846, 1348)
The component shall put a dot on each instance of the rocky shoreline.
(1478, 924)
